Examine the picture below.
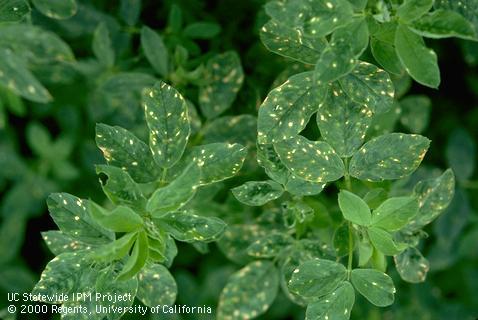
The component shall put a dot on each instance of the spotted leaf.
(257, 193)
(249, 292)
(58, 242)
(13, 10)
(167, 117)
(336, 305)
(237, 238)
(232, 129)
(314, 161)
(55, 9)
(375, 286)
(268, 158)
(287, 109)
(156, 286)
(389, 156)
(412, 266)
(270, 245)
(336, 61)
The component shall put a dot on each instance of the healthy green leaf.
(56, 9)
(39, 140)
(123, 149)
(257, 193)
(336, 305)
(341, 240)
(316, 278)
(202, 30)
(249, 292)
(102, 46)
(189, 227)
(287, 109)
(115, 250)
(13, 10)
(343, 122)
(137, 259)
(375, 286)
(167, 117)
(375, 197)
(224, 77)
(120, 219)
(156, 286)
(419, 61)
(415, 112)
(155, 50)
(412, 266)
(389, 156)
(354, 208)
(383, 241)
(314, 161)
(270, 245)
(461, 154)
(443, 24)
(129, 11)
(382, 45)
(411, 10)
(395, 213)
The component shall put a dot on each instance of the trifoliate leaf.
(249, 292)
(412, 266)
(189, 227)
(354, 208)
(58, 242)
(55, 9)
(395, 213)
(411, 10)
(123, 149)
(336, 305)
(316, 278)
(314, 161)
(375, 286)
(287, 109)
(155, 50)
(257, 193)
(120, 219)
(342, 122)
(137, 259)
(383, 241)
(13, 10)
(102, 46)
(389, 156)
(224, 77)
(370, 86)
(419, 61)
(443, 24)
(167, 117)
(461, 154)
(156, 286)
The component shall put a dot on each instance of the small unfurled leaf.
(395, 213)
(411, 10)
(258, 193)
(383, 241)
(291, 43)
(58, 242)
(270, 245)
(461, 154)
(13, 10)
(189, 227)
(176, 194)
(444, 24)
(167, 117)
(389, 156)
(249, 292)
(155, 50)
(120, 219)
(123, 149)
(102, 46)
(342, 122)
(56, 9)
(137, 259)
(354, 208)
(412, 266)
(224, 77)
(156, 286)
(316, 278)
(419, 61)
(202, 30)
(336, 305)
(375, 286)
(369, 86)
(115, 250)
(314, 161)
(287, 109)
(415, 112)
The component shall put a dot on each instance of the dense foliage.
(281, 159)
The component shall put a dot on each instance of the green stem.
(163, 176)
(351, 252)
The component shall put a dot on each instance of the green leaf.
(395, 213)
(202, 30)
(58, 242)
(375, 197)
(300, 187)
(176, 194)
(291, 43)
(137, 259)
(434, 196)
(102, 46)
(461, 154)
(359, 4)
(382, 45)
(71, 216)
(355, 33)
(240, 129)
(130, 11)
(167, 117)
(287, 109)
(365, 251)
(120, 219)
(119, 83)
(15, 76)
(389, 156)
(341, 240)
(56, 9)
(415, 112)
(343, 122)
(249, 292)
(443, 24)
(257, 193)
(155, 50)
(411, 10)
(224, 77)
(412, 266)
(336, 61)
(419, 61)
(123, 149)
(369, 86)
(268, 158)
(375, 286)
(354, 208)
(189, 227)
(156, 286)
(314, 161)
(39, 140)
(383, 241)
(269, 246)
(237, 238)
(115, 250)
(13, 10)
(336, 305)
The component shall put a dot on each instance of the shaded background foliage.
(49, 147)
